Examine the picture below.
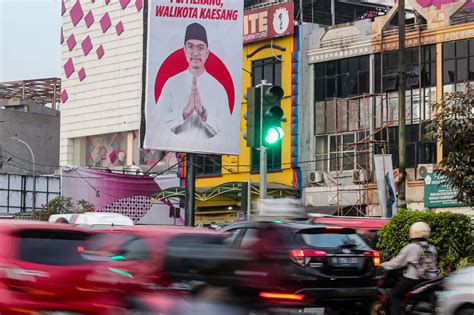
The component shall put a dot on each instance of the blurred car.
(330, 264)
(93, 219)
(42, 269)
(134, 257)
(458, 296)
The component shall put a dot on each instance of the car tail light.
(303, 256)
(334, 228)
(375, 257)
(282, 296)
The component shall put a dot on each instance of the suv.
(330, 264)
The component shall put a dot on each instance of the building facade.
(352, 111)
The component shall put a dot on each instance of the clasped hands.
(194, 103)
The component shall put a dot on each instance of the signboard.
(268, 22)
(438, 195)
(194, 76)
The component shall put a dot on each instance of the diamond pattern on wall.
(76, 13)
(82, 74)
(86, 45)
(71, 42)
(124, 3)
(100, 52)
(89, 19)
(68, 68)
(133, 207)
(119, 28)
(105, 22)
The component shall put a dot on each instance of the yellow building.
(270, 59)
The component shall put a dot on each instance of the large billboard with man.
(194, 69)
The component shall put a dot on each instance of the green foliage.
(451, 234)
(453, 126)
(61, 205)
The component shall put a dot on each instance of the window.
(427, 73)
(250, 238)
(341, 78)
(337, 152)
(233, 234)
(341, 115)
(267, 69)
(208, 165)
(458, 61)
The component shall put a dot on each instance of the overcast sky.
(29, 39)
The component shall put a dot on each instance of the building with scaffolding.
(352, 101)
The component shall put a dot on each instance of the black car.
(330, 264)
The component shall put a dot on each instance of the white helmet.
(420, 230)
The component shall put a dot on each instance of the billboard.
(194, 74)
(268, 22)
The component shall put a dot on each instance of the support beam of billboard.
(190, 190)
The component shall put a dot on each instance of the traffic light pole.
(263, 149)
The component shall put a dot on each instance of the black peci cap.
(195, 31)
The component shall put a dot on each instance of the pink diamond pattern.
(105, 22)
(100, 52)
(139, 5)
(71, 42)
(124, 3)
(76, 13)
(82, 74)
(68, 68)
(86, 45)
(63, 96)
(107, 2)
(89, 19)
(119, 28)
(63, 8)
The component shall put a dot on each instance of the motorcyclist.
(419, 260)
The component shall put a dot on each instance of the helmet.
(420, 230)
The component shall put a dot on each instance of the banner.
(385, 185)
(194, 74)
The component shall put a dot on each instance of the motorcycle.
(420, 300)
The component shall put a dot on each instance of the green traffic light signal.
(274, 135)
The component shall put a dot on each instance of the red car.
(134, 257)
(43, 270)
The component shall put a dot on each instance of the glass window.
(136, 249)
(354, 65)
(232, 235)
(320, 89)
(319, 70)
(208, 165)
(330, 87)
(250, 238)
(462, 48)
(449, 50)
(471, 47)
(330, 116)
(320, 117)
(348, 140)
(471, 68)
(343, 66)
(462, 70)
(332, 240)
(364, 82)
(54, 248)
(330, 68)
(364, 63)
(449, 71)
(322, 144)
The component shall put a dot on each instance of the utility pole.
(34, 170)
(190, 190)
(401, 106)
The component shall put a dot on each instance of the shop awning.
(229, 190)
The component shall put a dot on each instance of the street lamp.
(34, 169)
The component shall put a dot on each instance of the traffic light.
(272, 114)
(252, 116)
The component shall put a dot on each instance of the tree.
(453, 126)
(61, 205)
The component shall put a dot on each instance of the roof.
(40, 225)
(41, 91)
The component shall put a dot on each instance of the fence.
(16, 192)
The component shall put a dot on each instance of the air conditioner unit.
(423, 169)
(315, 177)
(359, 176)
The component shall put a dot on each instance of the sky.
(29, 39)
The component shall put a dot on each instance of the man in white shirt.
(192, 104)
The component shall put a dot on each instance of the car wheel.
(467, 310)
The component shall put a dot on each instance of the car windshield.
(333, 240)
(52, 247)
